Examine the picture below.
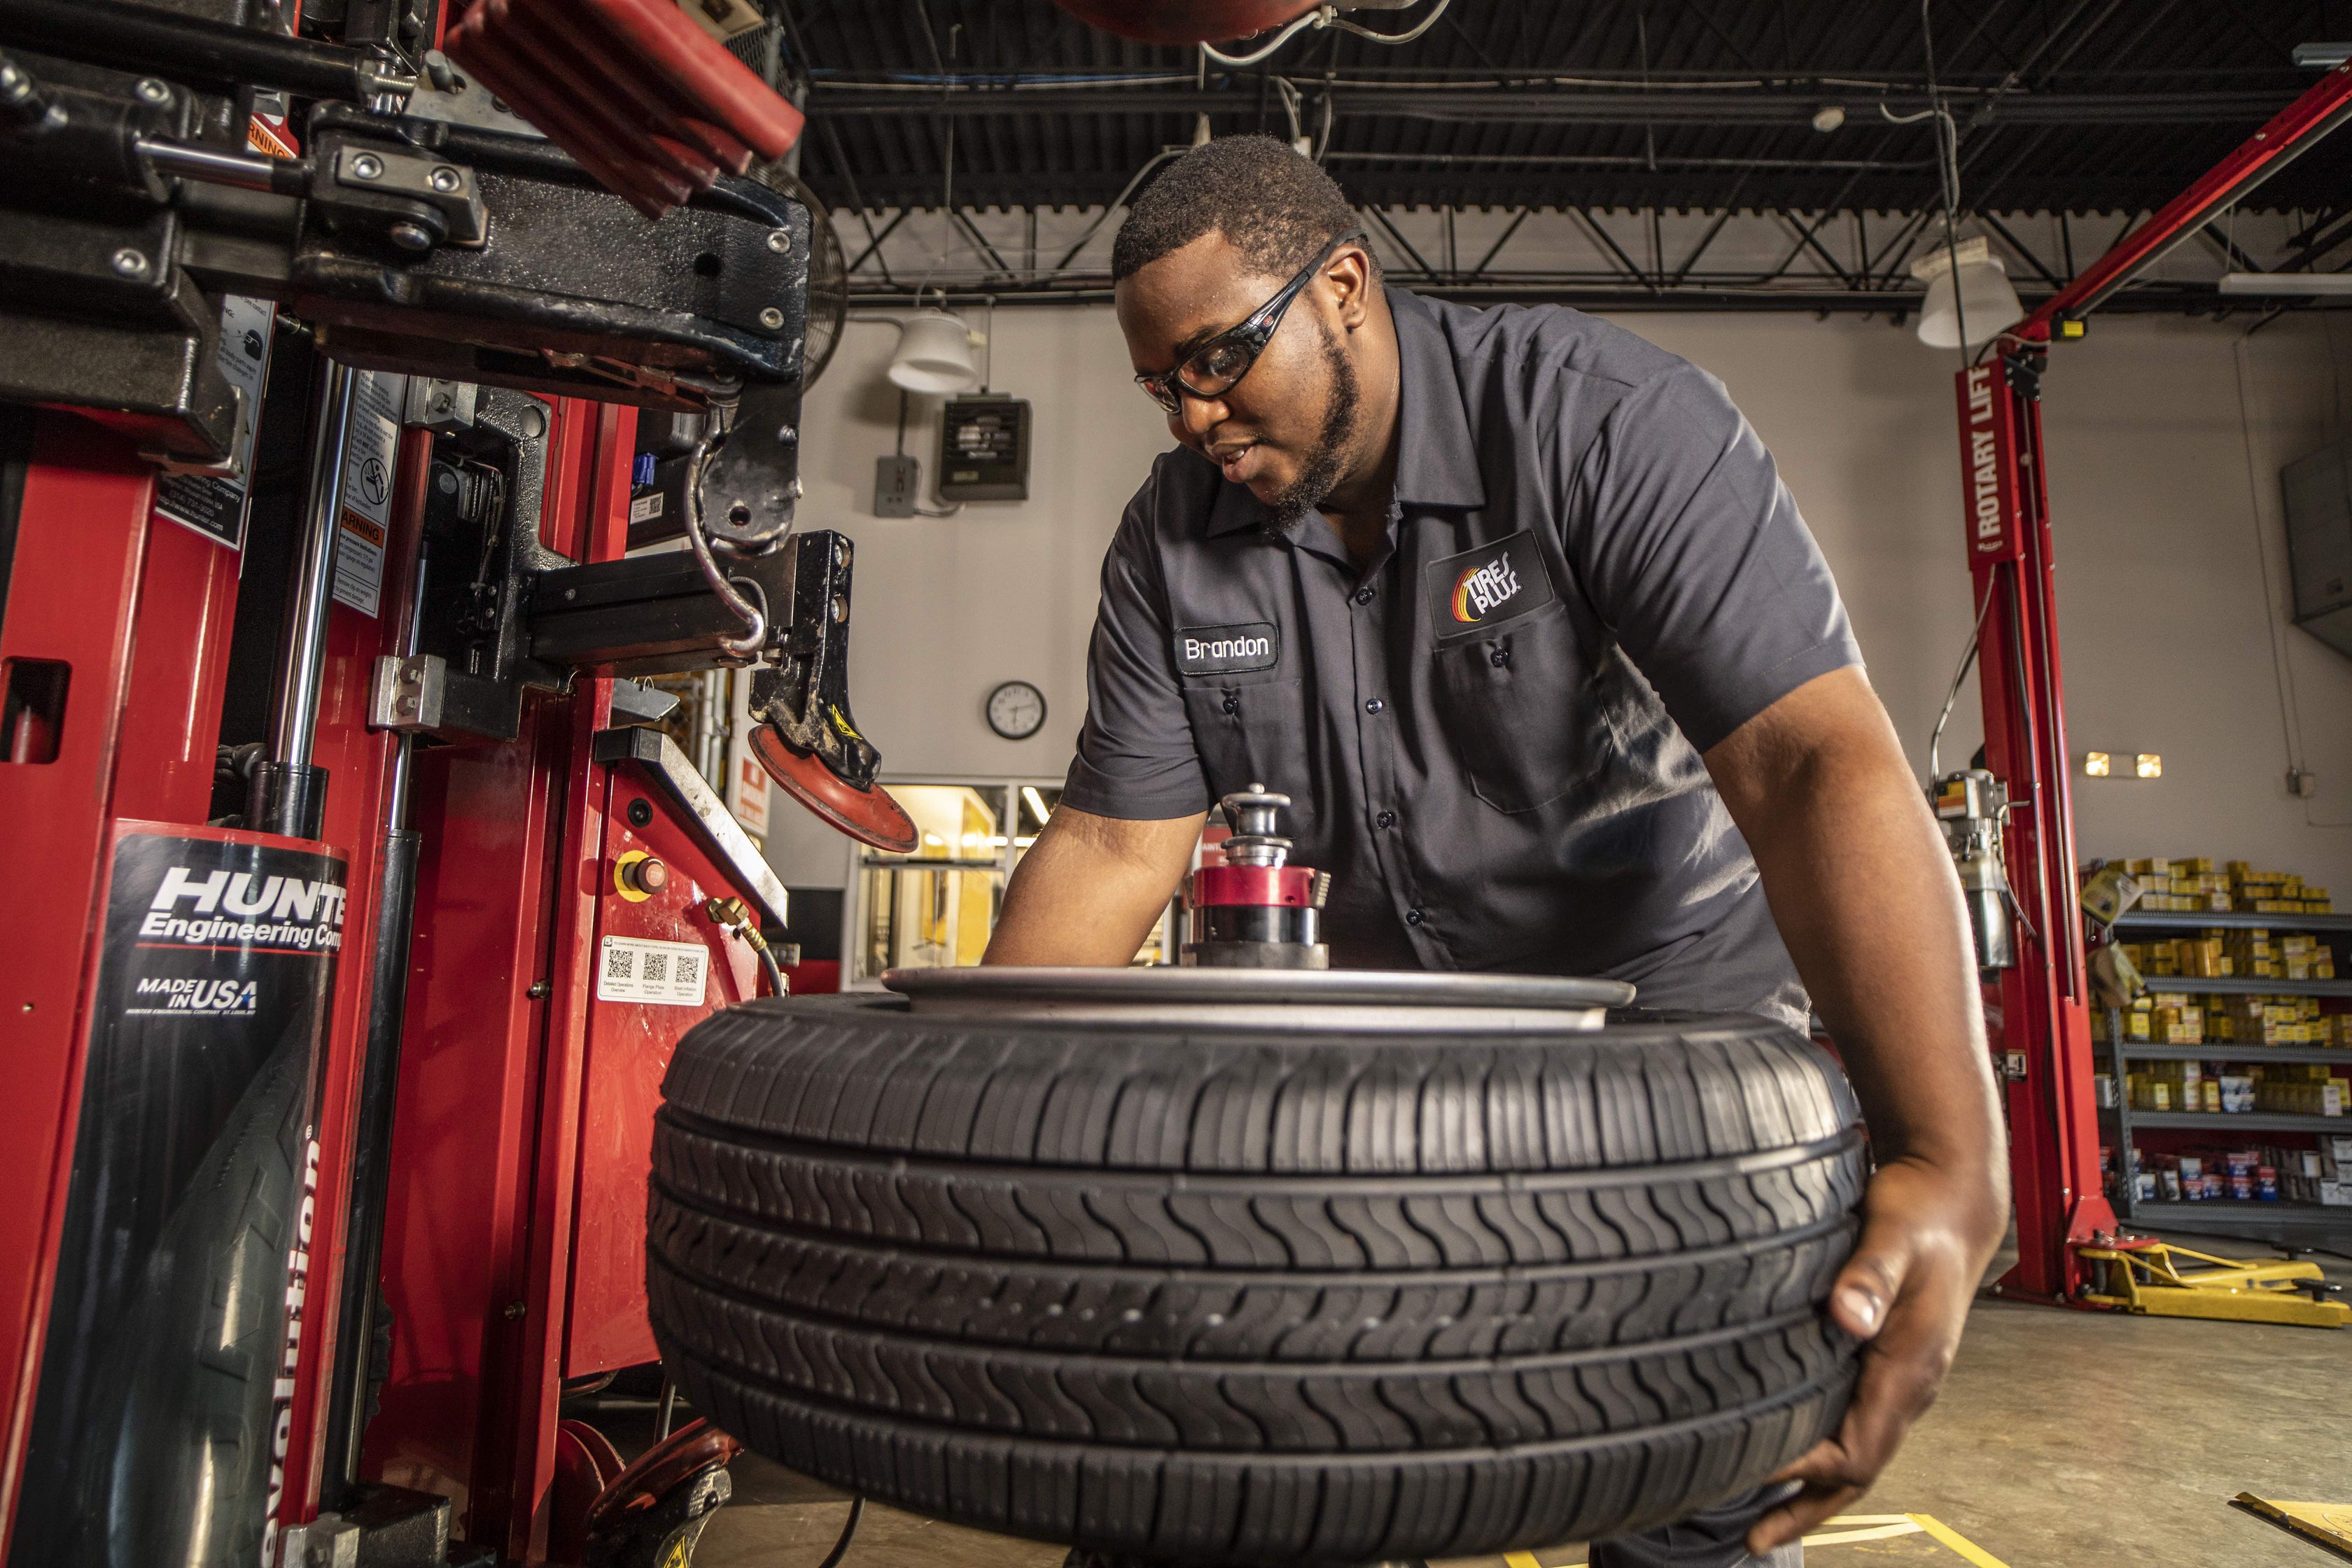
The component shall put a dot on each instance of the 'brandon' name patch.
(1226, 651)
(1495, 583)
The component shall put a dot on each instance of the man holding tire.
(1515, 609)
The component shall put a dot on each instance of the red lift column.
(2045, 1020)
(2045, 1028)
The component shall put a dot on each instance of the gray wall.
(2163, 484)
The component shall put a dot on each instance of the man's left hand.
(1905, 1293)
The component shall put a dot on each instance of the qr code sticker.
(688, 966)
(657, 968)
(619, 963)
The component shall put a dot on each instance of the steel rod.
(188, 49)
(302, 657)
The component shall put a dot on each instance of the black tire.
(1262, 1296)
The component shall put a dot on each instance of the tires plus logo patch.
(1498, 582)
(1480, 588)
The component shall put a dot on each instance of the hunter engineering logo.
(1482, 588)
(237, 909)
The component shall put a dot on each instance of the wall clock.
(1017, 710)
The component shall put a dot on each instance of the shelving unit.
(2281, 1224)
(2155, 923)
(2246, 985)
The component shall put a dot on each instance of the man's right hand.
(1087, 891)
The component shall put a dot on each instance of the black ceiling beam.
(1564, 106)
(2053, 189)
(2176, 300)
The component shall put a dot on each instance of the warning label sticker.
(368, 462)
(637, 969)
(214, 504)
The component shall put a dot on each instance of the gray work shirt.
(1491, 733)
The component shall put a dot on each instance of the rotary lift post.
(2044, 997)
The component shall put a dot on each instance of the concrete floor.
(2062, 1440)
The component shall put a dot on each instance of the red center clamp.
(1256, 911)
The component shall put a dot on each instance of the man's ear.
(1349, 274)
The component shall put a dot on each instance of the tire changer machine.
(368, 906)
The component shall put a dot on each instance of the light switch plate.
(895, 482)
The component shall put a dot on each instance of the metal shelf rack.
(2280, 1224)
(2245, 985)
(2156, 922)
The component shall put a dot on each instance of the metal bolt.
(150, 91)
(445, 179)
(411, 237)
(534, 423)
(130, 263)
(14, 84)
(771, 318)
(787, 435)
(366, 166)
(539, 989)
(516, 1309)
(407, 703)
(571, 593)
(780, 240)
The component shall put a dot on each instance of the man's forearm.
(1863, 893)
(1088, 889)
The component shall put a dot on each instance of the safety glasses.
(1218, 366)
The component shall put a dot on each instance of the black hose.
(776, 988)
(857, 1504)
(195, 49)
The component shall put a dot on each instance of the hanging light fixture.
(934, 354)
(1965, 282)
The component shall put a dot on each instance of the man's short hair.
(1277, 208)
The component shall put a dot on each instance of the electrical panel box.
(984, 450)
(895, 482)
(2318, 495)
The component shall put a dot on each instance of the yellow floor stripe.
(1946, 1535)
(1872, 1532)
(1843, 1529)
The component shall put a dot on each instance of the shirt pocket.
(1254, 733)
(1508, 705)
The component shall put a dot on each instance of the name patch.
(1227, 650)
(1485, 586)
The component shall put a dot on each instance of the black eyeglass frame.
(1253, 334)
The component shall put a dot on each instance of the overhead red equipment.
(645, 100)
(1185, 21)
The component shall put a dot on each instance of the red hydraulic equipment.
(2045, 996)
(360, 895)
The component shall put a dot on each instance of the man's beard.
(1325, 465)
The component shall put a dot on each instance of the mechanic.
(1515, 609)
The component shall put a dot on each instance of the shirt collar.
(1437, 461)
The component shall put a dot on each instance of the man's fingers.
(1791, 1519)
(1868, 1284)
